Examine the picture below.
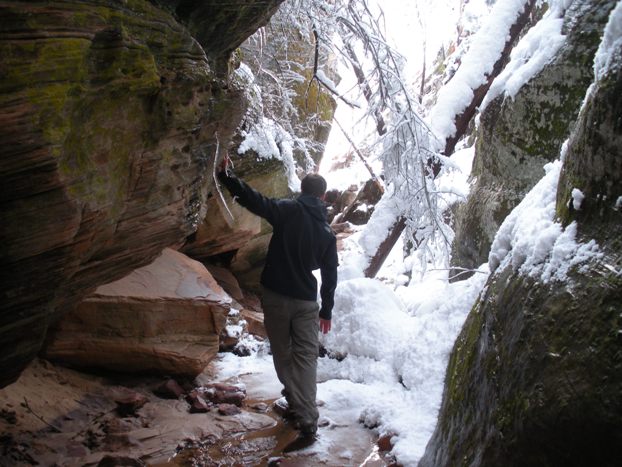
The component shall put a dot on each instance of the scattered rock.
(220, 393)
(228, 340)
(129, 403)
(281, 407)
(228, 409)
(197, 402)
(384, 442)
(260, 407)
(170, 389)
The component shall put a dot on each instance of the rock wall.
(516, 137)
(535, 376)
(108, 123)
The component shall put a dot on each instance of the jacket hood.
(314, 206)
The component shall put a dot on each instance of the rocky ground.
(54, 416)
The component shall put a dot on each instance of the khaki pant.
(292, 326)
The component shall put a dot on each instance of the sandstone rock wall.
(108, 123)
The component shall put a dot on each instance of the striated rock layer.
(111, 112)
(535, 376)
(163, 318)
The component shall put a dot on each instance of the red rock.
(219, 393)
(169, 390)
(384, 443)
(163, 318)
(254, 323)
(129, 403)
(102, 167)
(197, 402)
(228, 409)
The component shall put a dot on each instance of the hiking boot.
(281, 407)
(302, 441)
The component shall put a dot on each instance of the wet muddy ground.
(54, 416)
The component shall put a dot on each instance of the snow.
(577, 198)
(533, 242)
(270, 141)
(477, 64)
(530, 55)
(608, 53)
(397, 345)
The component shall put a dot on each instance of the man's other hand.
(324, 325)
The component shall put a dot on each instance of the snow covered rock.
(162, 318)
(535, 375)
(524, 127)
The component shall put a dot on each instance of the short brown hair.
(313, 184)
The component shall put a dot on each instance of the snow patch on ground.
(397, 345)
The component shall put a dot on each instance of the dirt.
(54, 416)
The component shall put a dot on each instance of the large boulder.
(516, 137)
(111, 113)
(535, 376)
(163, 318)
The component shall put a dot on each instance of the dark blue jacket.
(302, 241)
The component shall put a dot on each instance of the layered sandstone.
(111, 113)
(163, 318)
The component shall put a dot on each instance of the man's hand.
(224, 164)
(324, 325)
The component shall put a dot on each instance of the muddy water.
(265, 448)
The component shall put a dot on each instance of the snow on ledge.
(533, 242)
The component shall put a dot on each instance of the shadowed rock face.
(535, 376)
(109, 122)
(518, 136)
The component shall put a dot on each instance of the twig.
(222, 198)
(39, 417)
(462, 271)
(358, 153)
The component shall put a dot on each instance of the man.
(302, 241)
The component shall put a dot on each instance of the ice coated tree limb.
(385, 248)
(462, 120)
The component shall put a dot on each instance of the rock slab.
(163, 318)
